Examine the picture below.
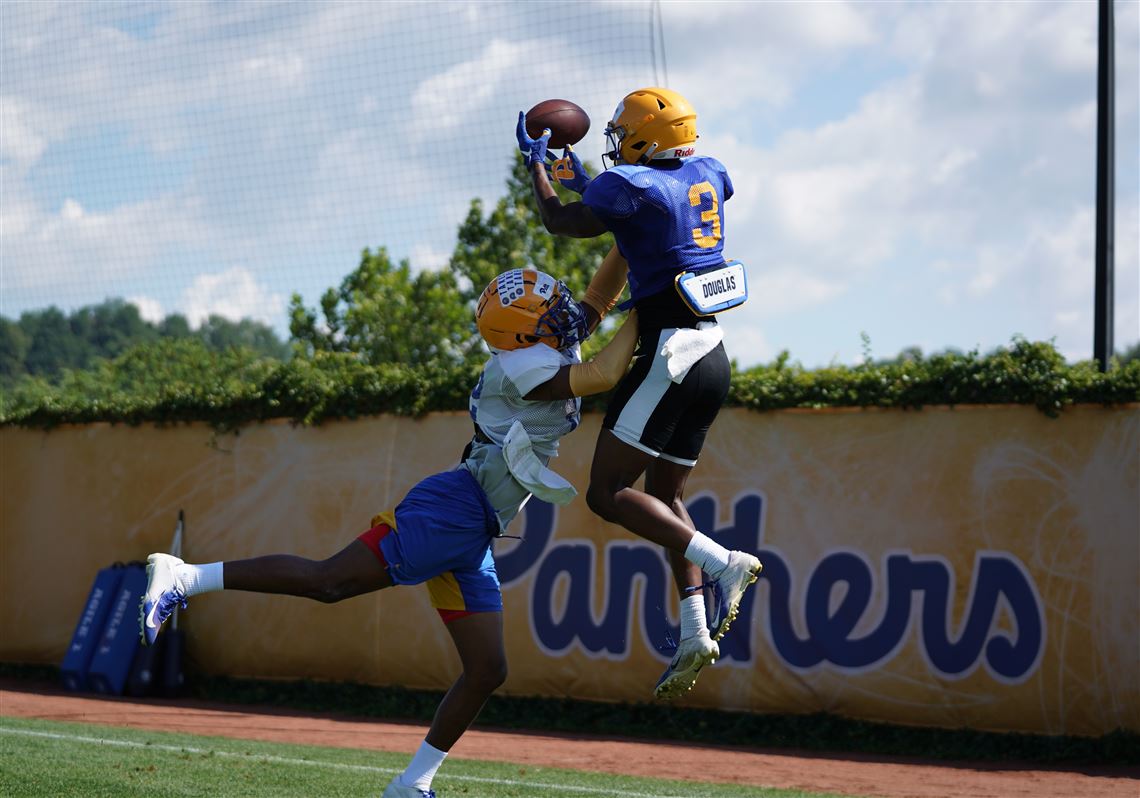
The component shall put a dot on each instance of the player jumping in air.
(443, 530)
(664, 206)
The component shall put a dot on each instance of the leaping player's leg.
(666, 480)
(611, 495)
(354, 570)
(653, 418)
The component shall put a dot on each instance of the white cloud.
(150, 309)
(745, 341)
(762, 51)
(234, 294)
(776, 291)
(25, 130)
(74, 247)
(287, 141)
(285, 69)
(451, 98)
(426, 257)
(1082, 117)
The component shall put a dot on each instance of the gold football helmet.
(523, 307)
(651, 124)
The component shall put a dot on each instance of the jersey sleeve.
(608, 195)
(719, 168)
(528, 368)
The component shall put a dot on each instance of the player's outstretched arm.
(574, 219)
(598, 374)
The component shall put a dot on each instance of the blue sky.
(920, 172)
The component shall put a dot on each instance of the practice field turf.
(42, 758)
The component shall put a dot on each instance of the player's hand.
(569, 171)
(533, 149)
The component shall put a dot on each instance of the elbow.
(610, 383)
(553, 222)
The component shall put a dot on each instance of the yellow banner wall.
(976, 566)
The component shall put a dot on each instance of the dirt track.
(849, 775)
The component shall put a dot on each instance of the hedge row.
(237, 388)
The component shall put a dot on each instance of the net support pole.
(1105, 143)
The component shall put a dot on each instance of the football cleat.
(728, 590)
(397, 790)
(693, 653)
(164, 593)
(718, 610)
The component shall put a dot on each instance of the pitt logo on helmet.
(523, 307)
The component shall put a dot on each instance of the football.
(567, 122)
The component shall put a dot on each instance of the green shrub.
(182, 380)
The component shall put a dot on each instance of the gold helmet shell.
(523, 307)
(651, 124)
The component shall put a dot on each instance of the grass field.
(45, 758)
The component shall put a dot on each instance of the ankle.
(705, 552)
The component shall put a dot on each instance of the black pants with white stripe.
(664, 418)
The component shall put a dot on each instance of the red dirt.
(843, 774)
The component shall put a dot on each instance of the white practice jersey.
(497, 403)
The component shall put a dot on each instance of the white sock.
(423, 766)
(199, 578)
(693, 615)
(708, 554)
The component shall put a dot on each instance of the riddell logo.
(684, 152)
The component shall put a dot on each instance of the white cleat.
(397, 790)
(693, 653)
(164, 593)
(728, 589)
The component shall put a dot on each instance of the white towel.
(525, 466)
(686, 346)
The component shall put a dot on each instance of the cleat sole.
(679, 687)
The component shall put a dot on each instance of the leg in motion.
(478, 638)
(666, 480)
(170, 582)
(616, 466)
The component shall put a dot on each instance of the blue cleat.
(164, 593)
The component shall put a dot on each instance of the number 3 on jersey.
(706, 238)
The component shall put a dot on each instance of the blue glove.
(569, 171)
(533, 149)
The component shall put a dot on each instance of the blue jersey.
(665, 220)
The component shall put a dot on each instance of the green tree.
(52, 345)
(174, 326)
(110, 328)
(511, 236)
(1130, 354)
(219, 333)
(13, 350)
(385, 314)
